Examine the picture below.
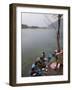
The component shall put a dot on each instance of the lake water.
(33, 43)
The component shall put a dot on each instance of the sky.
(41, 20)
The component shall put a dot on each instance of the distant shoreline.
(23, 26)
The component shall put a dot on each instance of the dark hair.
(53, 54)
(37, 62)
(33, 69)
(41, 58)
(43, 54)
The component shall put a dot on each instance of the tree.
(58, 33)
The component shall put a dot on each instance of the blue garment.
(37, 70)
(49, 57)
(33, 65)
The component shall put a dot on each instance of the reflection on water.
(33, 42)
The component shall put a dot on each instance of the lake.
(33, 43)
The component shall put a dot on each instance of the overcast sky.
(41, 20)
